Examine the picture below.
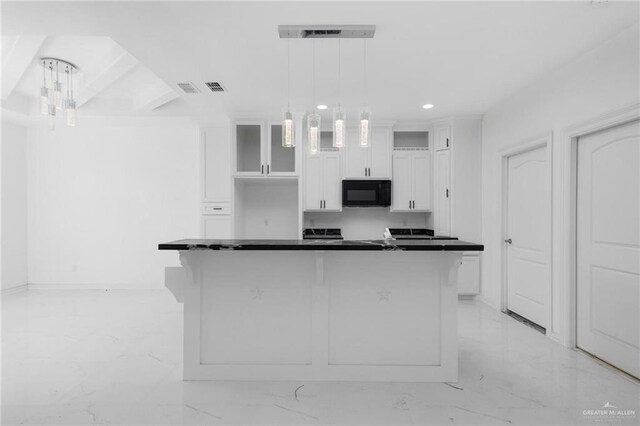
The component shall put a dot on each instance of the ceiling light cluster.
(339, 114)
(51, 97)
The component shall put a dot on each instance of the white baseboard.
(103, 287)
(14, 290)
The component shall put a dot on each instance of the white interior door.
(422, 180)
(527, 240)
(443, 200)
(608, 246)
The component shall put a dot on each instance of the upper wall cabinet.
(259, 151)
(216, 170)
(372, 162)
(442, 136)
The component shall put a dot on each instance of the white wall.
(102, 196)
(601, 81)
(13, 154)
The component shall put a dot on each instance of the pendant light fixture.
(365, 113)
(70, 103)
(51, 95)
(288, 130)
(44, 91)
(339, 115)
(313, 119)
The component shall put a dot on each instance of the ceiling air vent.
(214, 86)
(188, 87)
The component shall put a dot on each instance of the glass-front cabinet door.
(281, 160)
(259, 151)
(249, 156)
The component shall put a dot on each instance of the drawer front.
(216, 209)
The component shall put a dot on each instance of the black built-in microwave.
(366, 193)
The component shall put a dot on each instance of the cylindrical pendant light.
(339, 115)
(57, 89)
(44, 92)
(288, 129)
(365, 113)
(71, 103)
(313, 119)
(52, 105)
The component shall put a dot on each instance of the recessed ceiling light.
(428, 106)
(322, 106)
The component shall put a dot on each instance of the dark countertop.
(354, 245)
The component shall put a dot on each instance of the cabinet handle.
(447, 192)
(262, 169)
(414, 204)
(267, 169)
(447, 142)
(324, 204)
(409, 203)
(320, 203)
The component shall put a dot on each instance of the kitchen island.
(318, 309)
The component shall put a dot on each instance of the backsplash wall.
(361, 223)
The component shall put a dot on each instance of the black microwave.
(366, 193)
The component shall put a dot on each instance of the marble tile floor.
(114, 357)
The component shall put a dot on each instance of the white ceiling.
(464, 57)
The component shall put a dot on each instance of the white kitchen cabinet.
(216, 183)
(216, 227)
(443, 192)
(411, 180)
(469, 275)
(259, 151)
(442, 136)
(322, 182)
(372, 162)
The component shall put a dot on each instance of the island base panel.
(331, 315)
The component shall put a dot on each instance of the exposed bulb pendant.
(339, 116)
(44, 92)
(288, 129)
(313, 119)
(365, 113)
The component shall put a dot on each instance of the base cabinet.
(469, 275)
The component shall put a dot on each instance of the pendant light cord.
(313, 72)
(339, 68)
(288, 74)
(364, 73)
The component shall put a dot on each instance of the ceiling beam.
(154, 100)
(112, 70)
(18, 54)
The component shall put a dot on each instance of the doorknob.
(508, 241)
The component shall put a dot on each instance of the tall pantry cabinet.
(216, 182)
(457, 189)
